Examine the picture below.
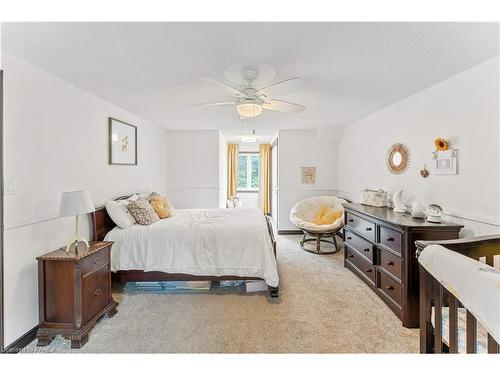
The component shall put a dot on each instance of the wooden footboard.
(435, 297)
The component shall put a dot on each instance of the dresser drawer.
(353, 257)
(95, 292)
(390, 238)
(95, 260)
(365, 227)
(363, 246)
(390, 287)
(390, 263)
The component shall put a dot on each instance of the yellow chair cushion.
(162, 206)
(327, 215)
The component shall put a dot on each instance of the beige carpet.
(323, 308)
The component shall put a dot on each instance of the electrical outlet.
(9, 187)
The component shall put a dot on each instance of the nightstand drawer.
(363, 246)
(95, 292)
(362, 226)
(94, 261)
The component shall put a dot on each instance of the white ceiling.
(155, 70)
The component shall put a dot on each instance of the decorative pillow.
(118, 212)
(142, 212)
(162, 207)
(327, 215)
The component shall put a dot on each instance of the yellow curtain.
(232, 169)
(265, 178)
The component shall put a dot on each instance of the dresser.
(74, 291)
(380, 249)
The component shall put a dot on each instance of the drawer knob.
(97, 259)
(97, 292)
(350, 220)
(368, 229)
(368, 270)
(389, 287)
(367, 249)
(351, 256)
(349, 238)
(390, 263)
(389, 239)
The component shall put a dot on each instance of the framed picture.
(445, 162)
(122, 143)
(308, 175)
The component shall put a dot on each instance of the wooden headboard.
(101, 221)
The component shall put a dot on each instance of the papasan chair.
(320, 218)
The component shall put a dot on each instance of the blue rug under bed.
(229, 286)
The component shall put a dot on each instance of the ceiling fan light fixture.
(248, 108)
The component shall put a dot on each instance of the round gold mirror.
(398, 158)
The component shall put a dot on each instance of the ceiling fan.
(250, 100)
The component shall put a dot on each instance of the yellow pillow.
(162, 206)
(327, 215)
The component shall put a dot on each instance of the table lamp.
(76, 203)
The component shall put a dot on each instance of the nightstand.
(74, 291)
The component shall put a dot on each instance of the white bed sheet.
(208, 242)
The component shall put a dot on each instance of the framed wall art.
(122, 143)
(445, 162)
(308, 175)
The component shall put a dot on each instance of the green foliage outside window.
(248, 171)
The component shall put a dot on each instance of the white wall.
(249, 200)
(249, 147)
(222, 171)
(463, 109)
(56, 139)
(193, 170)
(305, 148)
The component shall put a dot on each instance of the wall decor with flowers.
(444, 158)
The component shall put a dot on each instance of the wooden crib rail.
(475, 248)
(434, 294)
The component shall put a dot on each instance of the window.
(248, 172)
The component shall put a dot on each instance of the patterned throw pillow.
(142, 212)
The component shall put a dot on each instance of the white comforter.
(209, 242)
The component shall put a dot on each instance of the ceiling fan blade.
(225, 86)
(213, 104)
(281, 88)
(282, 106)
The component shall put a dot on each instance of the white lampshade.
(76, 203)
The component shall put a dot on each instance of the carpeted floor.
(323, 308)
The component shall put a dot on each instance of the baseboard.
(289, 231)
(22, 341)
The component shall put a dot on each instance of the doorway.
(274, 182)
(1, 216)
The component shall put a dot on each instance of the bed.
(459, 295)
(194, 244)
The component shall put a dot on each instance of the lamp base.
(74, 242)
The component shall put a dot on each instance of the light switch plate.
(9, 186)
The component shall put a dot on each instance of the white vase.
(397, 198)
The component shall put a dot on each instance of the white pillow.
(118, 212)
